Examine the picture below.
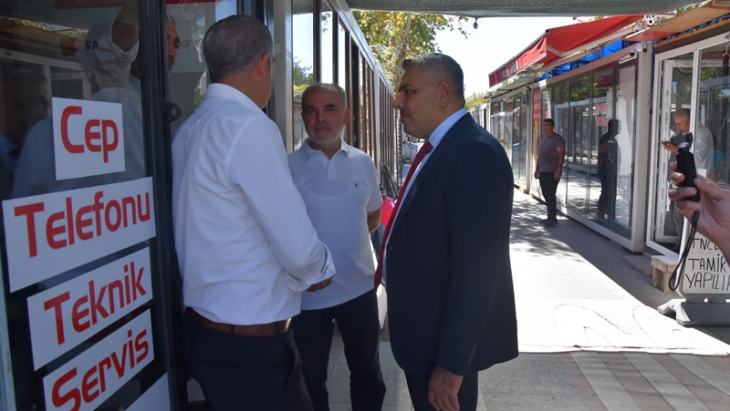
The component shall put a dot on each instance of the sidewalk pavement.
(590, 336)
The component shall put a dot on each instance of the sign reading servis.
(88, 138)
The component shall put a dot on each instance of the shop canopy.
(502, 8)
(560, 42)
(681, 23)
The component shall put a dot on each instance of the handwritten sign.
(706, 271)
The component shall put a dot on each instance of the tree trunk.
(404, 46)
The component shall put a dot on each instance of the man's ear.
(444, 93)
(348, 116)
(263, 64)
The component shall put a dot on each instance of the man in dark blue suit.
(447, 264)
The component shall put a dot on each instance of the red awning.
(558, 42)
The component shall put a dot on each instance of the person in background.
(339, 186)
(703, 152)
(245, 245)
(451, 307)
(606, 161)
(112, 60)
(549, 168)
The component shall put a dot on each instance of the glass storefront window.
(508, 126)
(675, 92)
(604, 149)
(520, 118)
(83, 284)
(625, 140)
(327, 26)
(342, 40)
(524, 131)
(303, 58)
(189, 74)
(712, 134)
(494, 120)
(561, 115)
(577, 137)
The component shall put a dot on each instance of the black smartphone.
(686, 166)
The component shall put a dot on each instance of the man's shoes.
(549, 223)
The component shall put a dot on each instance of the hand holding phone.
(686, 166)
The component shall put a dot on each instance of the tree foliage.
(396, 36)
(476, 100)
(303, 76)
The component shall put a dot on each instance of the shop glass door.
(675, 93)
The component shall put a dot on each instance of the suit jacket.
(450, 293)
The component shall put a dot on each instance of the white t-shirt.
(339, 193)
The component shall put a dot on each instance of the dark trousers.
(359, 326)
(418, 388)
(245, 373)
(549, 186)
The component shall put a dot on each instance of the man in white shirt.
(245, 245)
(340, 189)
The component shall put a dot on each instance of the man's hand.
(320, 285)
(537, 173)
(670, 146)
(714, 208)
(443, 389)
(557, 175)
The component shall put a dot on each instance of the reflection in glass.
(519, 118)
(561, 115)
(675, 93)
(508, 127)
(604, 150)
(494, 120)
(303, 68)
(342, 57)
(327, 49)
(625, 112)
(577, 138)
(189, 76)
(713, 114)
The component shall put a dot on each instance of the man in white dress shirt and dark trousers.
(340, 189)
(245, 244)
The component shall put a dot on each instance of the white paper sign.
(706, 271)
(65, 316)
(88, 138)
(53, 233)
(89, 379)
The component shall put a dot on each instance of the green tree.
(476, 100)
(303, 76)
(396, 36)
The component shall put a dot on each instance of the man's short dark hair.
(443, 66)
(326, 86)
(549, 120)
(682, 113)
(234, 44)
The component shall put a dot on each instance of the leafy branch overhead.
(396, 36)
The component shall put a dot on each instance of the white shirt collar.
(438, 134)
(225, 91)
(309, 151)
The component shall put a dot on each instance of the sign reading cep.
(88, 138)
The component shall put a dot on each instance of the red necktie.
(425, 149)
